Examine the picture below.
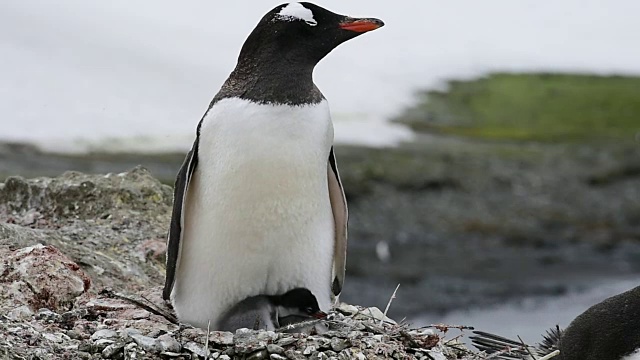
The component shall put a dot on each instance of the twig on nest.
(386, 309)
(444, 328)
(526, 347)
(149, 307)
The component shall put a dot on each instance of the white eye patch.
(295, 11)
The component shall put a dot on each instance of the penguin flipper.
(340, 217)
(177, 218)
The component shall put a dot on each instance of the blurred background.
(490, 150)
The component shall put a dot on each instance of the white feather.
(633, 356)
(258, 218)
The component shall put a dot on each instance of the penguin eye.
(309, 310)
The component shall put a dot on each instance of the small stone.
(294, 355)
(101, 344)
(308, 350)
(275, 349)
(20, 313)
(146, 343)
(72, 334)
(259, 355)
(46, 315)
(347, 309)
(104, 334)
(111, 350)
(169, 344)
(286, 341)
(195, 348)
(129, 332)
(171, 354)
(338, 345)
(330, 353)
(224, 357)
(277, 357)
(56, 338)
(224, 338)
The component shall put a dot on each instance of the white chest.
(258, 217)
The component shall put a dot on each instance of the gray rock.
(169, 344)
(21, 312)
(275, 349)
(104, 334)
(294, 355)
(147, 343)
(259, 355)
(112, 350)
(338, 345)
(195, 348)
(222, 338)
(100, 345)
(41, 277)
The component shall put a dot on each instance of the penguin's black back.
(608, 330)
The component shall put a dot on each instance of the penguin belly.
(258, 217)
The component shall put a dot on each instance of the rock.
(104, 334)
(222, 338)
(40, 276)
(338, 345)
(275, 349)
(195, 348)
(258, 355)
(146, 343)
(111, 350)
(169, 344)
(22, 312)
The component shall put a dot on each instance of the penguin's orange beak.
(361, 25)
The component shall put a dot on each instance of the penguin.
(609, 330)
(259, 206)
(270, 312)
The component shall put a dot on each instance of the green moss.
(545, 107)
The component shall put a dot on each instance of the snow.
(86, 75)
(296, 11)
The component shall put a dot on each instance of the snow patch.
(296, 11)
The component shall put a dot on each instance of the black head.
(302, 302)
(302, 32)
(277, 60)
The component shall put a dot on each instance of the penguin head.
(303, 33)
(299, 302)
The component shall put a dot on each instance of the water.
(79, 75)
(531, 317)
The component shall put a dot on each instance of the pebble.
(169, 344)
(275, 349)
(113, 349)
(147, 343)
(104, 334)
(195, 348)
(338, 345)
